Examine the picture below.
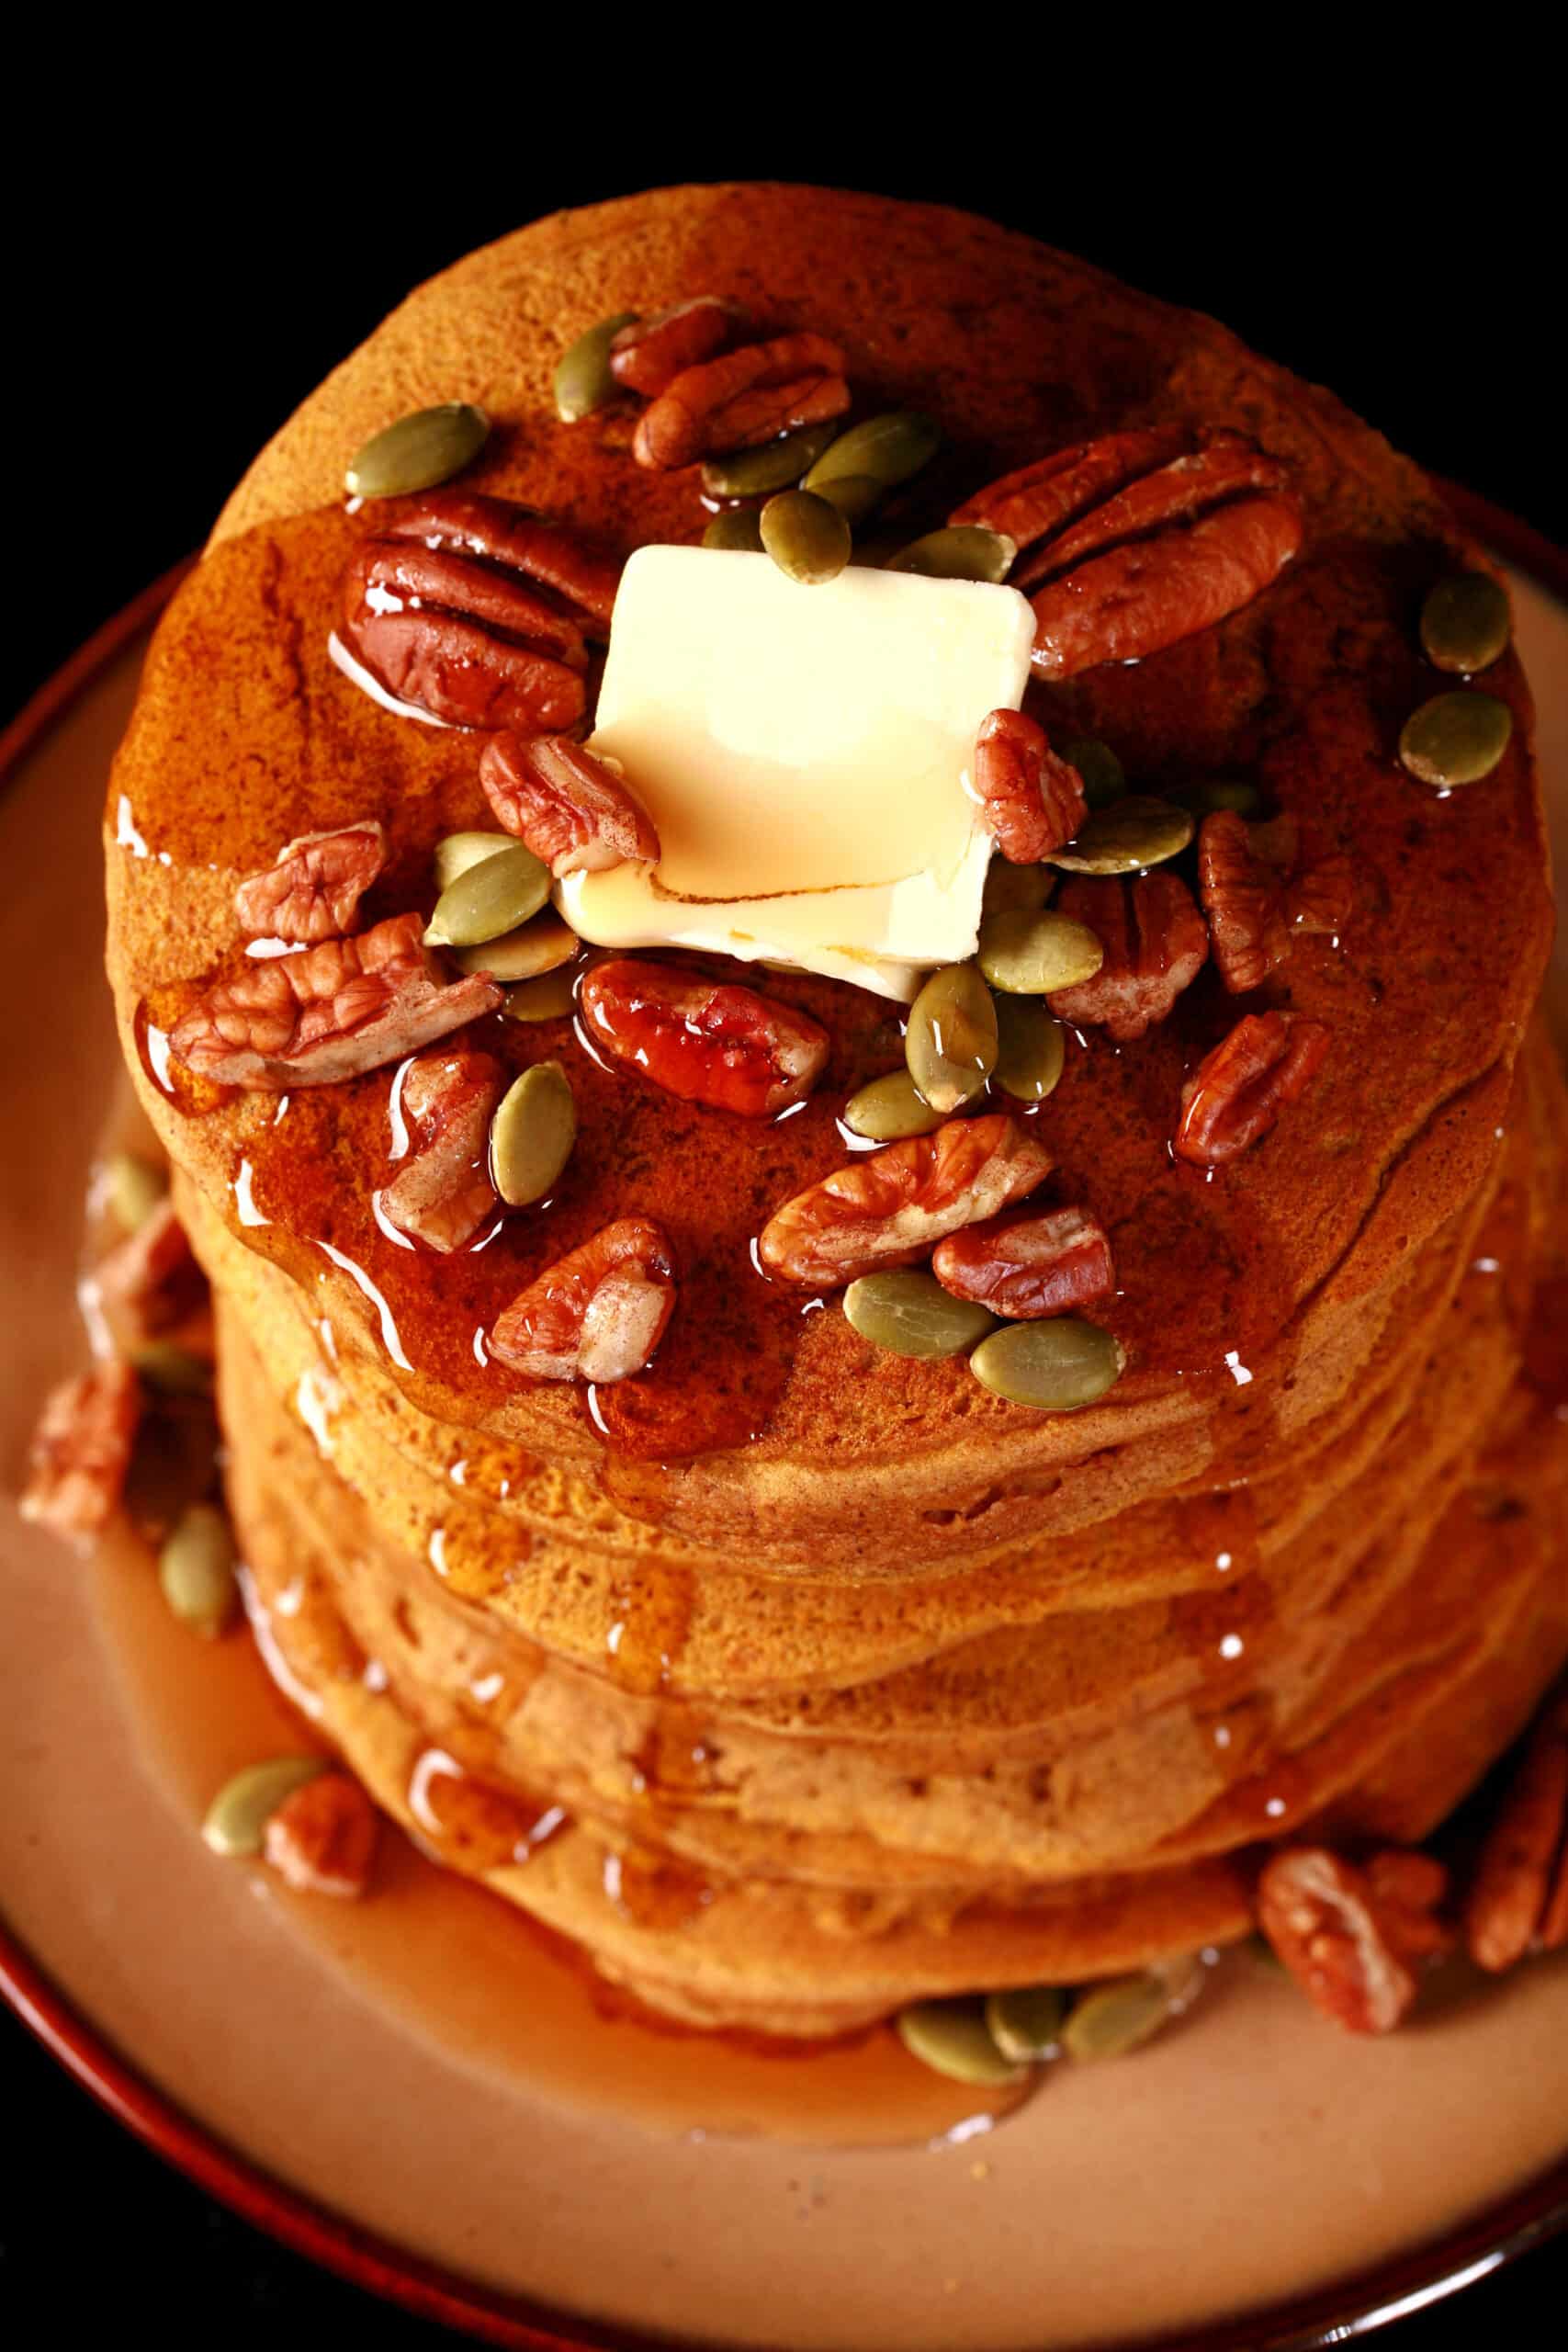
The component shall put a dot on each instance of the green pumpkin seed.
(172, 1370)
(962, 551)
(490, 899)
(1104, 778)
(738, 530)
(1054, 1366)
(237, 1818)
(950, 1043)
(549, 998)
(132, 1188)
(854, 495)
(888, 448)
(777, 465)
(1456, 739)
(888, 1109)
(907, 1313)
(1466, 623)
(1208, 800)
(951, 2038)
(1025, 886)
(807, 536)
(543, 945)
(582, 380)
(1029, 955)
(532, 1133)
(458, 852)
(196, 1570)
(418, 451)
(1031, 1048)
(1111, 2020)
(1133, 834)
(1026, 2025)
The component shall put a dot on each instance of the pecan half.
(443, 1193)
(706, 1041)
(312, 890)
(1258, 896)
(597, 1314)
(742, 398)
(1237, 1091)
(1518, 1899)
(322, 1838)
(328, 1013)
(648, 356)
(567, 802)
(1155, 941)
(81, 1451)
(1032, 802)
(1349, 1936)
(147, 1283)
(891, 1207)
(1026, 1265)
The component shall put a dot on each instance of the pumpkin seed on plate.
(196, 1570)
(738, 530)
(777, 465)
(1456, 739)
(1104, 778)
(490, 899)
(1031, 1048)
(890, 1108)
(542, 945)
(582, 380)
(961, 551)
(907, 1313)
(889, 449)
(1056, 1366)
(1109, 2019)
(549, 998)
(172, 1369)
(133, 1188)
(237, 1818)
(1016, 886)
(418, 451)
(951, 2038)
(807, 536)
(950, 1043)
(1131, 833)
(1207, 799)
(1030, 954)
(532, 1133)
(458, 852)
(1026, 2024)
(1466, 623)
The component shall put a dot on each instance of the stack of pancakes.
(792, 1680)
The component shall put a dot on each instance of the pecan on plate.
(1349, 1936)
(443, 1192)
(1518, 1899)
(647, 354)
(707, 1041)
(1032, 802)
(1258, 894)
(1237, 1091)
(1155, 941)
(568, 803)
(328, 1013)
(476, 611)
(312, 888)
(893, 1207)
(147, 1283)
(81, 1451)
(322, 1838)
(597, 1314)
(745, 397)
(1028, 1263)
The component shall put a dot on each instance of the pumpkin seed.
(532, 1133)
(132, 1188)
(173, 1371)
(777, 465)
(549, 998)
(738, 530)
(1031, 1048)
(1104, 778)
(962, 551)
(889, 449)
(1209, 798)
(1056, 1366)
(1109, 2019)
(854, 495)
(1026, 2025)
(1130, 834)
(1456, 739)
(889, 1108)
(543, 945)
(1465, 623)
(490, 899)
(418, 451)
(951, 2038)
(907, 1313)
(1028, 887)
(237, 1818)
(458, 852)
(196, 1570)
(807, 536)
(1030, 954)
(950, 1043)
(582, 380)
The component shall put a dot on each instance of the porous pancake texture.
(792, 1680)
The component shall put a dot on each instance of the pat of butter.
(803, 754)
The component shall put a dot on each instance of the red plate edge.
(1353, 2307)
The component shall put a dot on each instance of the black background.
(181, 265)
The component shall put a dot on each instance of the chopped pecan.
(648, 356)
(1349, 1936)
(1032, 802)
(1038, 499)
(706, 1041)
(1028, 1264)
(81, 1451)
(891, 1207)
(147, 1283)
(329, 1011)
(443, 1192)
(322, 1838)
(597, 1314)
(1140, 598)
(1154, 942)
(1237, 1091)
(567, 802)
(1518, 1899)
(312, 889)
(742, 398)
(1256, 895)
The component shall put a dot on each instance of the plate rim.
(1345, 2308)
